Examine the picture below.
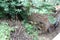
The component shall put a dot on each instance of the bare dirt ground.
(20, 33)
(50, 36)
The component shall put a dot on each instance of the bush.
(5, 31)
(10, 8)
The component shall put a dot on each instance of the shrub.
(5, 31)
(10, 8)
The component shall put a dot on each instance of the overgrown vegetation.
(31, 30)
(5, 31)
(24, 8)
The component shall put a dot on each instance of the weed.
(5, 31)
(31, 30)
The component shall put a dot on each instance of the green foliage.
(53, 2)
(22, 7)
(41, 7)
(5, 31)
(52, 20)
(31, 30)
(29, 27)
(14, 7)
(25, 7)
(10, 7)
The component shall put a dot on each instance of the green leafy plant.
(36, 6)
(51, 19)
(24, 8)
(13, 7)
(31, 30)
(5, 31)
